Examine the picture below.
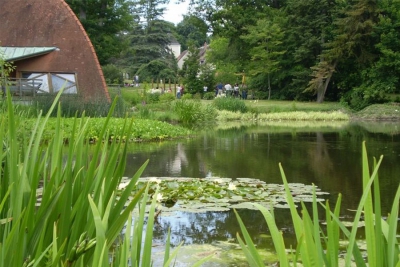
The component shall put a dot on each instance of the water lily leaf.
(236, 198)
(244, 205)
(250, 180)
(207, 194)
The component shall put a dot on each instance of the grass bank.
(158, 108)
(380, 112)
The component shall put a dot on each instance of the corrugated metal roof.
(18, 53)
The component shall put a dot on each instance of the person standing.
(178, 92)
(220, 87)
(236, 90)
(228, 89)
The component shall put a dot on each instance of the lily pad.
(220, 194)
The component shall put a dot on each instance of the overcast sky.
(175, 12)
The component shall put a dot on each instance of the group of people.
(228, 90)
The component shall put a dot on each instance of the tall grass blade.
(364, 197)
(249, 248)
(146, 255)
(368, 211)
(393, 245)
(277, 236)
(379, 243)
(297, 221)
(167, 249)
(333, 233)
(100, 235)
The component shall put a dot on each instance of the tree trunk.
(323, 86)
(269, 87)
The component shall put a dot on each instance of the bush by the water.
(230, 104)
(193, 112)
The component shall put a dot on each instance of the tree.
(148, 52)
(229, 19)
(381, 76)
(104, 21)
(207, 76)
(265, 39)
(191, 68)
(219, 56)
(307, 28)
(353, 39)
(191, 28)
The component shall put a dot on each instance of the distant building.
(47, 43)
(175, 47)
(202, 53)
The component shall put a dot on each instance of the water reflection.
(329, 157)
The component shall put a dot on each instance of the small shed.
(49, 49)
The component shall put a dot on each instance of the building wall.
(176, 49)
(52, 23)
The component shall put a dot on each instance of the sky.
(175, 12)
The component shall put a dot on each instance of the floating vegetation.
(220, 194)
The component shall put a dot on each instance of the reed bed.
(60, 209)
(224, 115)
(318, 246)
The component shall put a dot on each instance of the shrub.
(167, 97)
(261, 95)
(363, 96)
(112, 74)
(152, 98)
(197, 96)
(144, 112)
(187, 96)
(132, 96)
(209, 96)
(230, 104)
(192, 113)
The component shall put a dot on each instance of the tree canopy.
(317, 50)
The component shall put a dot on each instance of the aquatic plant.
(142, 129)
(321, 247)
(220, 194)
(60, 209)
(230, 104)
(193, 112)
(302, 115)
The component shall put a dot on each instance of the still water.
(327, 155)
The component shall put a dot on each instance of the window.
(54, 82)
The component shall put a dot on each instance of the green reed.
(66, 209)
(320, 247)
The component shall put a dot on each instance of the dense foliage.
(331, 49)
(294, 50)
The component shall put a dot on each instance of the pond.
(325, 154)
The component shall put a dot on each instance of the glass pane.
(38, 78)
(66, 81)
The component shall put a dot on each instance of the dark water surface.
(326, 155)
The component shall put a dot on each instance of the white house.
(202, 53)
(175, 47)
